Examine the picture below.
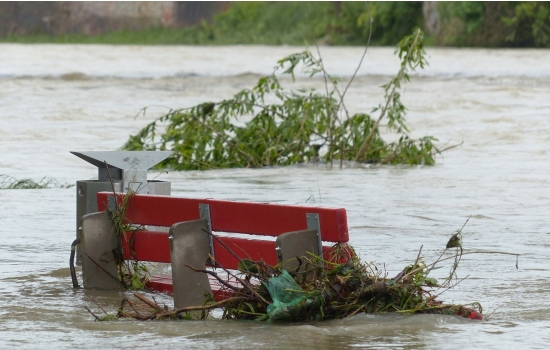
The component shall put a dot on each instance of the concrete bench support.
(296, 244)
(99, 268)
(189, 245)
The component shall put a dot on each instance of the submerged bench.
(190, 240)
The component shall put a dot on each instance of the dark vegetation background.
(461, 23)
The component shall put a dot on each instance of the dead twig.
(231, 252)
(245, 283)
(101, 267)
(451, 147)
(203, 307)
(147, 301)
(212, 273)
(91, 313)
(112, 183)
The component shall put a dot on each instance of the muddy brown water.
(60, 98)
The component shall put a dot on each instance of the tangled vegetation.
(8, 182)
(132, 273)
(318, 290)
(291, 126)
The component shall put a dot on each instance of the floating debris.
(317, 290)
(8, 182)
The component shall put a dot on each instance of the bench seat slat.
(239, 217)
(254, 250)
(155, 247)
(146, 246)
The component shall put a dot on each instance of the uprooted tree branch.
(291, 126)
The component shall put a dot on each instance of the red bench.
(295, 227)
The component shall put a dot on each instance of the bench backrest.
(225, 216)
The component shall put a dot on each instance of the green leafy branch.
(288, 126)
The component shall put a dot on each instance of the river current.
(60, 98)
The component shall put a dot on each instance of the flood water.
(60, 98)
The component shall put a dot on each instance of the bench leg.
(296, 244)
(189, 245)
(99, 268)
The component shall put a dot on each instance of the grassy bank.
(460, 23)
(150, 36)
(271, 23)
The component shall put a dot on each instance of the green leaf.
(136, 282)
